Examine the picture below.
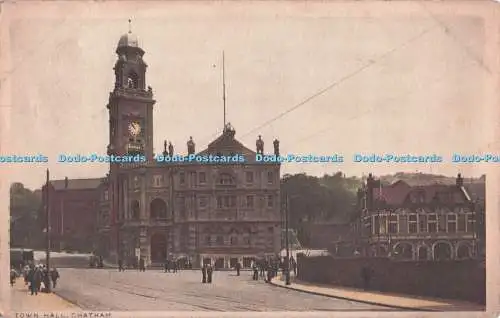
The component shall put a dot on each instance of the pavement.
(22, 301)
(403, 302)
(109, 290)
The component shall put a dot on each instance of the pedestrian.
(35, 281)
(210, 271)
(255, 272)
(204, 273)
(142, 265)
(13, 276)
(262, 268)
(46, 280)
(165, 266)
(120, 265)
(54, 275)
(238, 268)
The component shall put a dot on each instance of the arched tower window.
(133, 80)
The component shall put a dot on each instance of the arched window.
(133, 80)
(158, 209)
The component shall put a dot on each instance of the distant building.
(428, 222)
(74, 206)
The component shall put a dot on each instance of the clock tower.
(131, 103)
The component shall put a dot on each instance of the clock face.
(134, 128)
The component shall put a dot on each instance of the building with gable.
(418, 222)
(218, 213)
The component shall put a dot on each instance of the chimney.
(460, 180)
(66, 183)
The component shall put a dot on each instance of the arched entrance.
(403, 251)
(158, 209)
(463, 251)
(158, 248)
(422, 253)
(442, 251)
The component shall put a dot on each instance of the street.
(110, 290)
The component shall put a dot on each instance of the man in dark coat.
(142, 265)
(210, 272)
(204, 273)
(54, 275)
(46, 280)
(238, 268)
(35, 280)
(120, 265)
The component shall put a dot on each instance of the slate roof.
(76, 184)
(398, 192)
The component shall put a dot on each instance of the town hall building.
(204, 212)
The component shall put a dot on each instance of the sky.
(322, 78)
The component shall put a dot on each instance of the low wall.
(460, 280)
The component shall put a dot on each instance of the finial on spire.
(129, 25)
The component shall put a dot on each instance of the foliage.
(24, 207)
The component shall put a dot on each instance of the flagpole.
(224, 87)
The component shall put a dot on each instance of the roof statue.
(260, 145)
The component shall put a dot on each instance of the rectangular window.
(441, 222)
(432, 226)
(182, 178)
(232, 201)
(422, 223)
(393, 224)
(203, 202)
(208, 240)
(383, 224)
(219, 202)
(249, 201)
(234, 240)
(471, 223)
(461, 223)
(226, 202)
(249, 176)
(106, 195)
(270, 201)
(270, 177)
(412, 223)
(452, 223)
(376, 224)
(202, 177)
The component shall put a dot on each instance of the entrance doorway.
(219, 263)
(158, 248)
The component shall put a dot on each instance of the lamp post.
(47, 214)
(287, 245)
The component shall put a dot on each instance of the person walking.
(204, 273)
(142, 265)
(238, 268)
(13, 276)
(35, 280)
(54, 275)
(210, 272)
(255, 272)
(120, 265)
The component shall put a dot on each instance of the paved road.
(109, 290)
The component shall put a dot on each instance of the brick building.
(426, 222)
(218, 213)
(73, 212)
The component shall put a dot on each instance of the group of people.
(271, 267)
(142, 265)
(35, 276)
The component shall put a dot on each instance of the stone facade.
(218, 213)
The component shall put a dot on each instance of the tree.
(24, 225)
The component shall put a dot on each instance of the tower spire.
(129, 25)
(224, 88)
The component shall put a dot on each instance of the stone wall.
(460, 280)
